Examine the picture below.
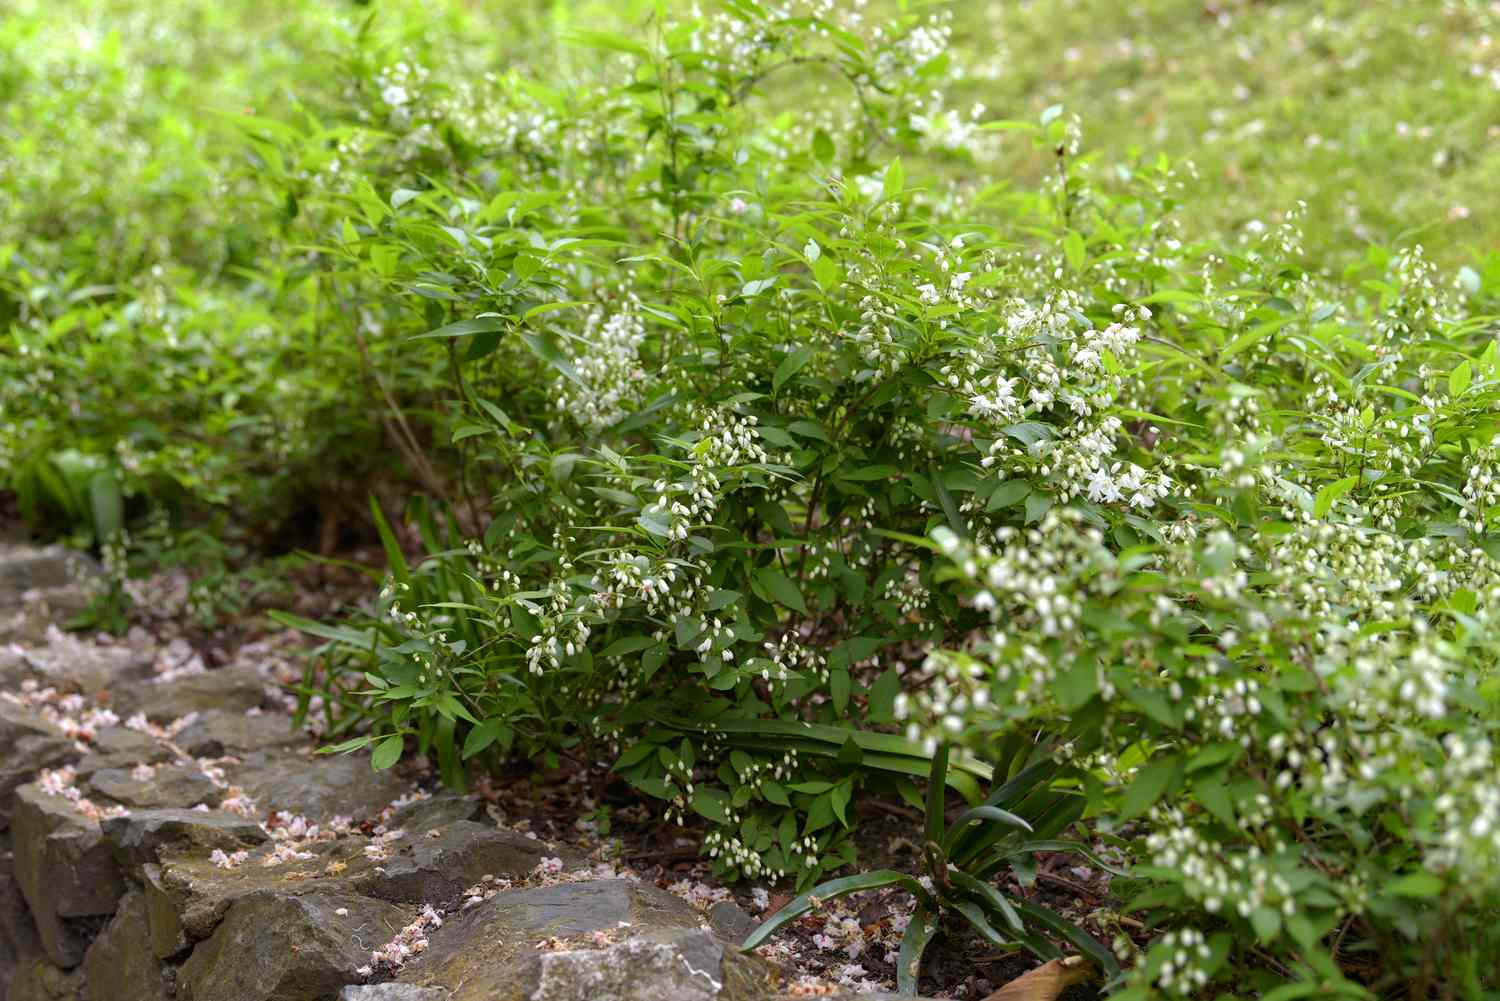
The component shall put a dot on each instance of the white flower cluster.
(608, 379)
(1179, 959)
(1481, 490)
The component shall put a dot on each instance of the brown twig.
(1068, 884)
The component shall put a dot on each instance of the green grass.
(1383, 116)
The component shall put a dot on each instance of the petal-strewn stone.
(139, 837)
(27, 743)
(168, 786)
(218, 733)
(392, 992)
(272, 947)
(232, 689)
(317, 787)
(435, 867)
(477, 955)
(677, 963)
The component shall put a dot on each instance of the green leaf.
(609, 42)
(936, 794)
(468, 328)
(358, 639)
(980, 814)
(387, 753)
(974, 914)
(1008, 493)
(1037, 505)
(1415, 884)
(780, 588)
(1290, 992)
(838, 688)
(1081, 939)
(710, 803)
(945, 499)
(882, 698)
(1460, 378)
(1074, 251)
(1150, 783)
(482, 736)
(992, 898)
(1330, 493)
(106, 505)
(1267, 923)
(919, 933)
(823, 149)
(546, 351)
(895, 180)
(627, 644)
(791, 365)
(1028, 433)
(1213, 794)
(1077, 684)
(393, 555)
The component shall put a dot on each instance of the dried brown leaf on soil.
(1047, 981)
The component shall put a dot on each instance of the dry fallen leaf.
(1045, 982)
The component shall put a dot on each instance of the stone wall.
(166, 834)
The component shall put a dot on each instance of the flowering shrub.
(1214, 520)
(752, 422)
(1283, 685)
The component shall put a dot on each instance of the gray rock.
(231, 689)
(18, 939)
(478, 953)
(27, 743)
(392, 992)
(437, 866)
(729, 921)
(138, 838)
(439, 810)
(120, 965)
(125, 741)
(65, 869)
(271, 947)
(28, 568)
(39, 980)
(317, 787)
(168, 937)
(215, 734)
(73, 665)
(200, 892)
(119, 747)
(678, 963)
(170, 786)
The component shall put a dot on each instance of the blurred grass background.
(1384, 117)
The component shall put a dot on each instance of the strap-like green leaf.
(919, 932)
(974, 914)
(393, 554)
(800, 905)
(936, 794)
(992, 898)
(1086, 943)
(1054, 845)
(979, 815)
